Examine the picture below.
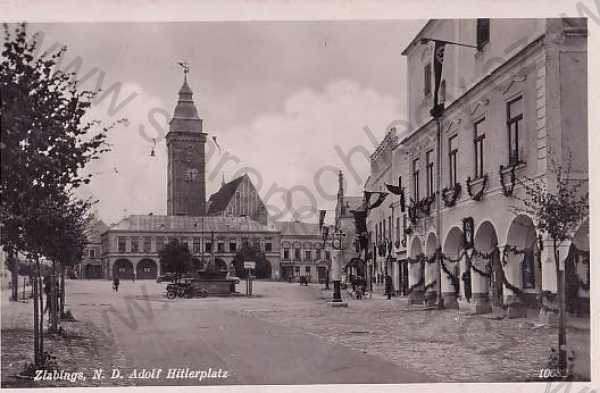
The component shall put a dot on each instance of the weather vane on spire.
(185, 66)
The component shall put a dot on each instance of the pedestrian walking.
(389, 286)
(116, 284)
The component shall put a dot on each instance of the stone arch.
(578, 272)
(123, 269)
(415, 247)
(486, 290)
(146, 269)
(581, 239)
(458, 285)
(521, 269)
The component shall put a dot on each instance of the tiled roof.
(291, 228)
(190, 224)
(220, 199)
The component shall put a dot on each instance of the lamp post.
(338, 245)
(325, 236)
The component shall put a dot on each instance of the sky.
(288, 103)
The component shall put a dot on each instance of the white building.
(514, 104)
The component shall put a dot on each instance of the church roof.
(297, 228)
(220, 199)
(155, 223)
(185, 108)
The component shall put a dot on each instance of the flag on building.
(439, 49)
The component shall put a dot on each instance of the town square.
(295, 203)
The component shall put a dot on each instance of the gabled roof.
(418, 36)
(297, 228)
(220, 199)
(154, 223)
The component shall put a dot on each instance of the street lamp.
(325, 236)
(338, 245)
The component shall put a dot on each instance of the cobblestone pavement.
(448, 345)
(82, 345)
(441, 345)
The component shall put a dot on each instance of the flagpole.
(426, 40)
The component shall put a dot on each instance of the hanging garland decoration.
(452, 277)
(481, 272)
(485, 255)
(451, 194)
(418, 259)
(479, 194)
(417, 285)
(430, 285)
(453, 260)
(431, 259)
(514, 250)
(408, 231)
(425, 204)
(507, 190)
(412, 212)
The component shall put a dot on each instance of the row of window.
(388, 232)
(308, 255)
(144, 244)
(514, 125)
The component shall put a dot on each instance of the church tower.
(186, 187)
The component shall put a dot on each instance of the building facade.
(350, 259)
(303, 252)
(515, 109)
(131, 247)
(91, 265)
(385, 223)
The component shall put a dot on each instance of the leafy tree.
(44, 144)
(251, 253)
(44, 140)
(176, 257)
(559, 205)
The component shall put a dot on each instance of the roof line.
(417, 36)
